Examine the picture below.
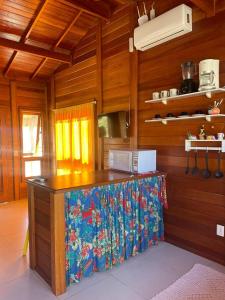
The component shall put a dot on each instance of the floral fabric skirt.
(105, 225)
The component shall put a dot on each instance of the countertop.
(64, 183)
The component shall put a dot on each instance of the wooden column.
(133, 84)
(58, 253)
(31, 210)
(16, 142)
(52, 105)
(100, 144)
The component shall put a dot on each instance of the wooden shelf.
(165, 120)
(208, 94)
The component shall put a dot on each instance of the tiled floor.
(139, 278)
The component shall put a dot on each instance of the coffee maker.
(208, 74)
(188, 71)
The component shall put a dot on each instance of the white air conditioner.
(167, 26)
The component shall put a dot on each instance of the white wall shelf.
(208, 94)
(166, 120)
(189, 146)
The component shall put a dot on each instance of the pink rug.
(200, 283)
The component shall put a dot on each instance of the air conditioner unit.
(167, 26)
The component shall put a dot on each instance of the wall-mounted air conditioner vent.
(167, 26)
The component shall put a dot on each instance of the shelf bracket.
(208, 94)
(208, 118)
(164, 122)
(164, 101)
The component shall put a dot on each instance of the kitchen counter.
(57, 205)
(64, 183)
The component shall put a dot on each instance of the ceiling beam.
(27, 32)
(90, 7)
(65, 32)
(39, 67)
(207, 6)
(19, 46)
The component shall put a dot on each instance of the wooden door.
(6, 171)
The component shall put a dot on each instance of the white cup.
(155, 95)
(220, 136)
(174, 92)
(164, 94)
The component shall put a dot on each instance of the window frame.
(26, 158)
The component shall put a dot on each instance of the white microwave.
(134, 161)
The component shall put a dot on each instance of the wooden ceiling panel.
(5, 55)
(54, 19)
(48, 68)
(31, 62)
(17, 13)
(52, 29)
(9, 36)
(20, 7)
(78, 31)
(86, 21)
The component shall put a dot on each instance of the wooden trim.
(99, 141)
(16, 142)
(35, 19)
(133, 84)
(65, 32)
(93, 9)
(20, 46)
(39, 67)
(31, 209)
(27, 32)
(57, 215)
(52, 130)
(67, 29)
(46, 141)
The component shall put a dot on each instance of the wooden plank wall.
(115, 72)
(81, 82)
(26, 96)
(15, 95)
(196, 205)
(78, 84)
(6, 161)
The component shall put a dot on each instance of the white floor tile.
(85, 283)
(109, 289)
(26, 287)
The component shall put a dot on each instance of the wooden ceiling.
(38, 36)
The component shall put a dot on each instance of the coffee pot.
(208, 74)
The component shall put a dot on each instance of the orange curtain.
(74, 137)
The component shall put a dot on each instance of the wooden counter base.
(47, 236)
(47, 221)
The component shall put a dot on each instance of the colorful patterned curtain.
(105, 225)
(74, 137)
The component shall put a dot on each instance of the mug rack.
(198, 145)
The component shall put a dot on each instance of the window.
(32, 143)
(74, 136)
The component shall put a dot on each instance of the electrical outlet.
(220, 230)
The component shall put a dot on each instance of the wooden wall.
(196, 205)
(26, 96)
(101, 72)
(6, 159)
(126, 80)
(14, 96)
(78, 84)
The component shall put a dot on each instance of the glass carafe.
(188, 70)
